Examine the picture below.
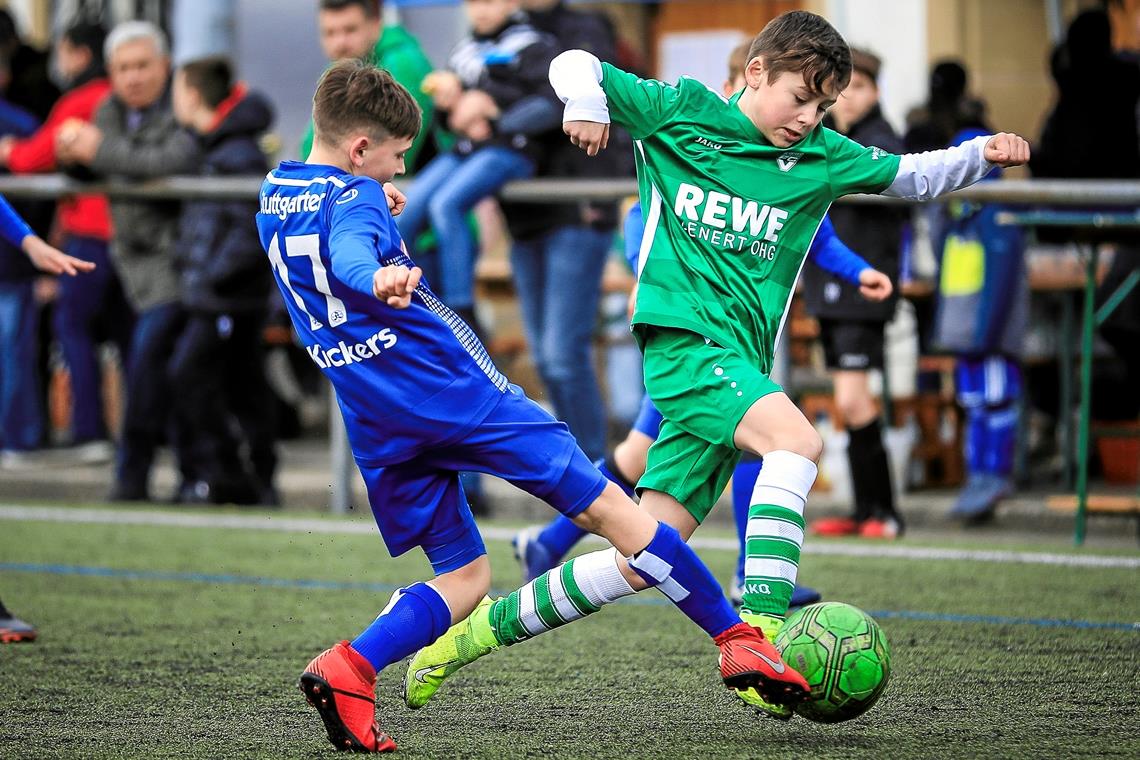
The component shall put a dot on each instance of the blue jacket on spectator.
(219, 256)
(983, 287)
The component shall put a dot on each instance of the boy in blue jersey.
(422, 401)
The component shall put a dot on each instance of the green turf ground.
(168, 666)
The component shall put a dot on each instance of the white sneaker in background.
(92, 452)
(16, 461)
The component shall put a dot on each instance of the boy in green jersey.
(733, 192)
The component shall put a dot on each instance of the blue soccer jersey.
(406, 379)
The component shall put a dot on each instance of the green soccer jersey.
(729, 217)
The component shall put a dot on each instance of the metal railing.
(1121, 196)
(1115, 193)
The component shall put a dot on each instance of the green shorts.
(702, 391)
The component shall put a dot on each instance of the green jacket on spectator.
(400, 54)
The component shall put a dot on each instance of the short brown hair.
(371, 8)
(804, 42)
(212, 78)
(354, 95)
(738, 59)
(866, 62)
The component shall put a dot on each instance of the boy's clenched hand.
(394, 284)
(590, 136)
(1007, 149)
(874, 285)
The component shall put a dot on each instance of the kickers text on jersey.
(729, 222)
(351, 353)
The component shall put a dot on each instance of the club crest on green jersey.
(787, 160)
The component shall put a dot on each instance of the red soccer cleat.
(346, 700)
(13, 630)
(887, 529)
(835, 526)
(749, 661)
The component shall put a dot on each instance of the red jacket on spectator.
(83, 215)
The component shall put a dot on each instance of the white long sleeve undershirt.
(923, 176)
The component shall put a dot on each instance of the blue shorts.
(648, 420)
(420, 502)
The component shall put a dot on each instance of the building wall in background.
(278, 53)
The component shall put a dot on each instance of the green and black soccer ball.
(842, 653)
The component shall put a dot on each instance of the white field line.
(301, 525)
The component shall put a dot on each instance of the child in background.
(503, 63)
(983, 308)
(852, 330)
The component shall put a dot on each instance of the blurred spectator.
(502, 64)
(30, 86)
(559, 251)
(947, 109)
(95, 306)
(22, 252)
(1091, 80)
(15, 121)
(982, 317)
(136, 137)
(354, 29)
(851, 327)
(218, 365)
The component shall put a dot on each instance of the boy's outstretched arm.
(596, 93)
(923, 176)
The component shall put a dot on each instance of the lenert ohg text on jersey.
(709, 214)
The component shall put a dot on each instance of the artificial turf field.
(161, 641)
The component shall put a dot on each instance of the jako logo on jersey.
(350, 353)
(348, 197)
(282, 206)
(787, 160)
(708, 143)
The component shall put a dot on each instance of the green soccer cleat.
(464, 642)
(770, 626)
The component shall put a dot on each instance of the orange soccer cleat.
(345, 698)
(749, 661)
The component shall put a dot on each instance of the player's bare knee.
(474, 578)
(630, 459)
(803, 440)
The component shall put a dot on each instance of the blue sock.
(415, 617)
(1000, 439)
(559, 536)
(669, 564)
(743, 481)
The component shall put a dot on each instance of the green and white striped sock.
(559, 596)
(775, 532)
